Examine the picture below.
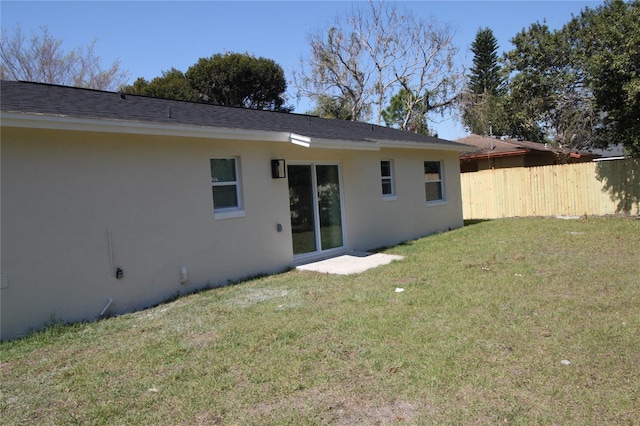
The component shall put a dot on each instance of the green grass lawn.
(515, 321)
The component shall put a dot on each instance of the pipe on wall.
(106, 307)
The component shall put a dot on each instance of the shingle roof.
(485, 145)
(38, 98)
(496, 147)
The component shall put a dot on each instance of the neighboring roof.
(498, 147)
(613, 151)
(25, 103)
(485, 146)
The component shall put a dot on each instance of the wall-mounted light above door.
(278, 169)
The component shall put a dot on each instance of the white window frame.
(390, 179)
(440, 181)
(235, 211)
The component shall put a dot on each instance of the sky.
(149, 37)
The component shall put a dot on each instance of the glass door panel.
(329, 208)
(301, 201)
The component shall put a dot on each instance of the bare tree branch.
(42, 59)
(373, 52)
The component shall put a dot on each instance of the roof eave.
(376, 145)
(61, 122)
(494, 154)
(324, 143)
(64, 122)
(438, 146)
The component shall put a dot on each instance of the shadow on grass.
(621, 180)
(469, 222)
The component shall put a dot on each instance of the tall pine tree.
(483, 106)
(485, 77)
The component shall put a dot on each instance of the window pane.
(432, 170)
(303, 225)
(223, 170)
(329, 209)
(386, 187)
(385, 168)
(433, 190)
(225, 196)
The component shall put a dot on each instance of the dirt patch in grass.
(204, 339)
(343, 407)
(354, 411)
(207, 418)
(250, 297)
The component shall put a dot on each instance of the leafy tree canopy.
(543, 82)
(404, 113)
(486, 114)
(609, 44)
(237, 79)
(330, 107)
(579, 86)
(171, 85)
(232, 79)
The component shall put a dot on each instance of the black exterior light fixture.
(278, 169)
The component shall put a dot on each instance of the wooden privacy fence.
(597, 188)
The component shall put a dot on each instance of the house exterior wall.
(75, 205)
(489, 163)
(501, 162)
(375, 222)
(536, 159)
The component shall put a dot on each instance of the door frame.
(319, 253)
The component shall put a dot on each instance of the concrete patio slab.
(351, 263)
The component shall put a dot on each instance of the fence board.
(597, 188)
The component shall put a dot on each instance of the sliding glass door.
(316, 207)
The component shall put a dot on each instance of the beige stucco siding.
(77, 204)
(375, 222)
(63, 194)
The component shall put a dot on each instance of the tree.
(399, 116)
(232, 79)
(548, 94)
(171, 85)
(580, 86)
(485, 114)
(335, 108)
(335, 73)
(42, 59)
(483, 109)
(369, 55)
(486, 74)
(241, 80)
(608, 40)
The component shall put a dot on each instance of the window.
(226, 187)
(386, 173)
(433, 181)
